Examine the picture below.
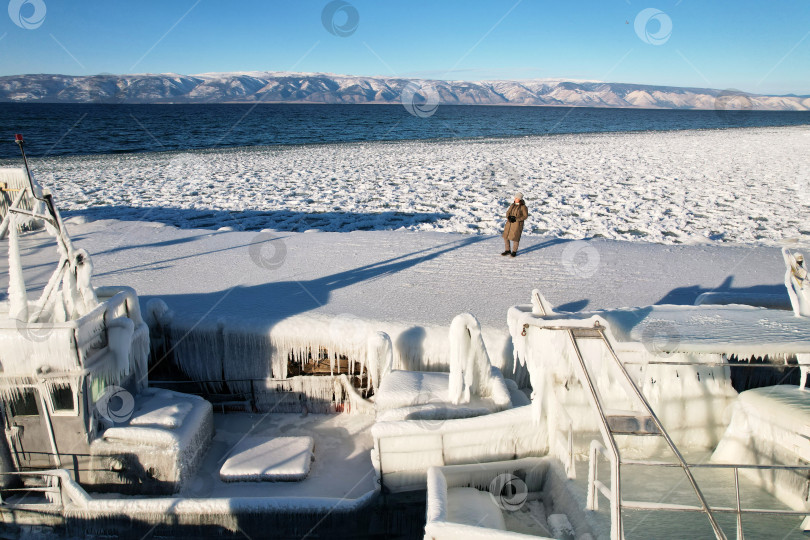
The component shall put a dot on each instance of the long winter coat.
(512, 231)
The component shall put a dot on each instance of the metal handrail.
(49, 476)
(616, 528)
(594, 484)
(718, 532)
(595, 487)
(612, 492)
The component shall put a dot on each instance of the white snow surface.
(262, 458)
(158, 419)
(342, 468)
(735, 185)
(395, 276)
(410, 388)
(472, 507)
(731, 329)
(160, 412)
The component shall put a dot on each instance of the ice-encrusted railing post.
(17, 294)
(797, 282)
(379, 359)
(804, 369)
(596, 486)
(74, 269)
(561, 433)
(469, 360)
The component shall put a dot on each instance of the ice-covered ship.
(125, 423)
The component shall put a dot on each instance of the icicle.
(379, 358)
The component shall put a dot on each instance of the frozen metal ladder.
(627, 423)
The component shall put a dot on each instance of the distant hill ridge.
(286, 87)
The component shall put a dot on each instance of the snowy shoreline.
(739, 186)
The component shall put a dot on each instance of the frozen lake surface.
(703, 186)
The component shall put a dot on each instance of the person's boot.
(514, 253)
(507, 252)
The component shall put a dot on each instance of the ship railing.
(55, 485)
(562, 441)
(48, 484)
(646, 423)
(596, 487)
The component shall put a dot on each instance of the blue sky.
(752, 45)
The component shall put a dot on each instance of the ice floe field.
(704, 186)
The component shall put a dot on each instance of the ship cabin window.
(25, 403)
(62, 400)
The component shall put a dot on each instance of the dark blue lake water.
(70, 129)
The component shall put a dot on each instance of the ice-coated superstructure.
(642, 383)
(15, 182)
(677, 356)
(234, 350)
(74, 375)
(771, 425)
(471, 415)
(354, 408)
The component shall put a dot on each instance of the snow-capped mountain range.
(275, 87)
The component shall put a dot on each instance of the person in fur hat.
(515, 217)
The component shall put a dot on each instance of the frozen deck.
(338, 497)
(341, 466)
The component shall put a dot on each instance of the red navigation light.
(18, 137)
